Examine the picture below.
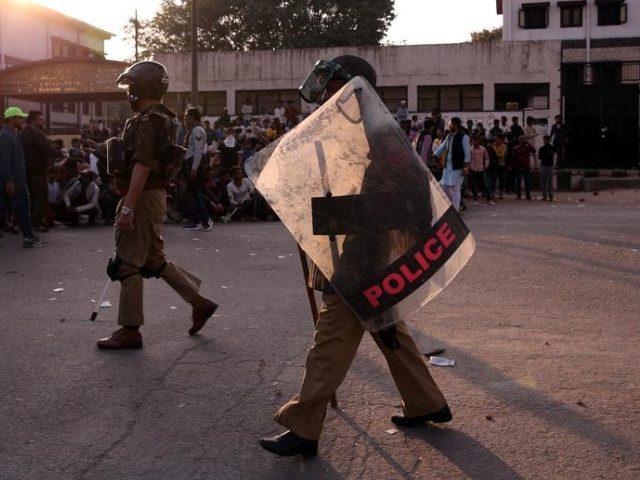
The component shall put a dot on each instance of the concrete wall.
(411, 66)
(589, 28)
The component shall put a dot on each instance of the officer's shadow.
(471, 457)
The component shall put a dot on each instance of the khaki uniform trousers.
(144, 247)
(335, 343)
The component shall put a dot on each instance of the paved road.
(543, 325)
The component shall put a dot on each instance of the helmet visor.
(316, 82)
(124, 81)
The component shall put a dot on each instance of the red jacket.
(521, 154)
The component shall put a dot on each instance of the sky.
(417, 21)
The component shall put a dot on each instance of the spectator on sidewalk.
(545, 155)
(522, 166)
(13, 177)
(477, 170)
(38, 155)
(456, 149)
(196, 162)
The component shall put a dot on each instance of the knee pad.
(146, 272)
(112, 270)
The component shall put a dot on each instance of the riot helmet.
(343, 67)
(146, 79)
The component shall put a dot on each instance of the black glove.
(389, 338)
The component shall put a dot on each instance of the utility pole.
(136, 29)
(194, 54)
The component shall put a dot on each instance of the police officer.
(142, 179)
(338, 332)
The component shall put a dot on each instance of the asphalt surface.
(543, 325)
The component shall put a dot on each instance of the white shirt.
(196, 145)
(53, 192)
(247, 110)
(92, 196)
(279, 112)
(239, 193)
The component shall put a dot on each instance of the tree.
(485, 35)
(239, 25)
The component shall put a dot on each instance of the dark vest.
(457, 151)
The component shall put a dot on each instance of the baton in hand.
(228, 216)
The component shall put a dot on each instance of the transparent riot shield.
(360, 202)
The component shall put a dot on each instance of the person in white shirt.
(247, 110)
(82, 197)
(240, 193)
(278, 112)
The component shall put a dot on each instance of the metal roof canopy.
(63, 80)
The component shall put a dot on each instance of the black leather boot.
(441, 416)
(288, 444)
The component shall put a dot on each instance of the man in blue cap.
(14, 191)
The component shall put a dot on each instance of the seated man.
(82, 197)
(210, 191)
(108, 202)
(240, 193)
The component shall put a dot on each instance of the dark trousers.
(38, 195)
(197, 209)
(495, 175)
(520, 175)
(108, 204)
(478, 181)
(510, 183)
(18, 204)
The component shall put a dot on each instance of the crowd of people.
(68, 184)
(497, 161)
(64, 185)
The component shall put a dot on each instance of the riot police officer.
(141, 174)
(338, 332)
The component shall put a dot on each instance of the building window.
(392, 96)
(213, 103)
(572, 74)
(607, 73)
(63, 107)
(61, 48)
(571, 13)
(611, 12)
(534, 15)
(56, 48)
(451, 98)
(265, 101)
(516, 96)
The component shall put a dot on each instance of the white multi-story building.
(600, 70)
(528, 20)
(43, 43)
